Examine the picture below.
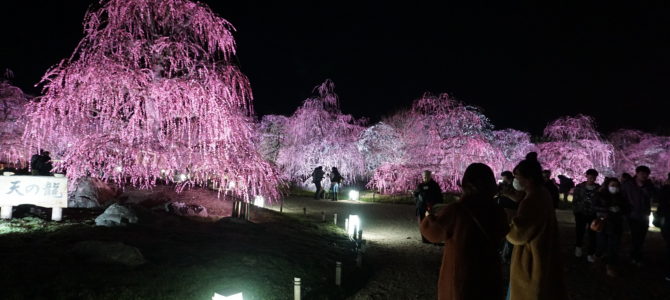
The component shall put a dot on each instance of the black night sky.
(523, 64)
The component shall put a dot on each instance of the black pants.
(608, 246)
(665, 232)
(638, 232)
(319, 190)
(582, 226)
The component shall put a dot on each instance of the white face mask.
(517, 186)
(613, 189)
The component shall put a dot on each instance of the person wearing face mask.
(639, 192)
(610, 206)
(471, 229)
(582, 207)
(536, 271)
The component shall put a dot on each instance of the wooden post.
(338, 273)
(6, 212)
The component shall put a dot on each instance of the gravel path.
(405, 268)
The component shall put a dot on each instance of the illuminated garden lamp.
(237, 296)
(259, 201)
(353, 225)
(182, 177)
(651, 219)
(354, 195)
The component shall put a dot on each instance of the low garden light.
(353, 225)
(354, 195)
(237, 296)
(182, 177)
(259, 201)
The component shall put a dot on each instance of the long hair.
(479, 182)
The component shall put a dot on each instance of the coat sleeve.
(436, 227)
(527, 223)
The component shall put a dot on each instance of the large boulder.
(187, 210)
(104, 252)
(116, 215)
(92, 193)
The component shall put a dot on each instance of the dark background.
(523, 63)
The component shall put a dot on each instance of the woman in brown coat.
(471, 229)
(536, 271)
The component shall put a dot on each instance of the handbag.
(598, 224)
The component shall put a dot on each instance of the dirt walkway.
(404, 267)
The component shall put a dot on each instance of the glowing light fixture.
(354, 195)
(353, 225)
(259, 201)
(237, 296)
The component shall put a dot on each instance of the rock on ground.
(187, 210)
(116, 215)
(92, 193)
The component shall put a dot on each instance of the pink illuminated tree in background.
(442, 135)
(271, 131)
(12, 109)
(634, 148)
(319, 134)
(573, 146)
(151, 91)
(380, 144)
(514, 145)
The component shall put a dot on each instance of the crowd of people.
(515, 222)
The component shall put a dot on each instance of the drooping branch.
(156, 77)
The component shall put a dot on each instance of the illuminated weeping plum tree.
(380, 144)
(12, 109)
(319, 134)
(271, 136)
(151, 91)
(634, 148)
(442, 135)
(514, 145)
(573, 146)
